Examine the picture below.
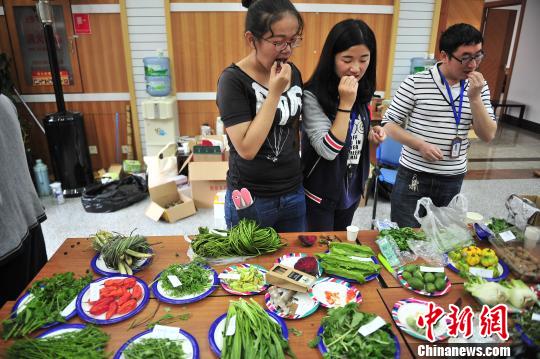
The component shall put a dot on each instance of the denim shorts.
(410, 186)
(286, 213)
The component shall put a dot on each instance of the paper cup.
(532, 235)
(352, 233)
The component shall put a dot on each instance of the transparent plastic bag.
(393, 255)
(428, 252)
(445, 226)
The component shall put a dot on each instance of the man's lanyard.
(457, 114)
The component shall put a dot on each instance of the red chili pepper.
(129, 282)
(136, 292)
(99, 309)
(127, 307)
(101, 300)
(124, 298)
(112, 310)
(113, 282)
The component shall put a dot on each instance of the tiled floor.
(496, 170)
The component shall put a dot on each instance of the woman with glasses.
(439, 106)
(260, 102)
(336, 126)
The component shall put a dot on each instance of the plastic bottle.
(42, 178)
(157, 75)
(57, 192)
(219, 126)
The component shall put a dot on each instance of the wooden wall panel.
(201, 52)
(467, 11)
(101, 55)
(99, 122)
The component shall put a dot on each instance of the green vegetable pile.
(244, 239)
(530, 327)
(257, 335)
(51, 297)
(498, 225)
(88, 343)
(194, 277)
(121, 252)
(155, 348)
(251, 280)
(429, 282)
(339, 262)
(342, 340)
(402, 235)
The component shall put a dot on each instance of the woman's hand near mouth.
(280, 77)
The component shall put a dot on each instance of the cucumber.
(416, 283)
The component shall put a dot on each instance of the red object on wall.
(81, 24)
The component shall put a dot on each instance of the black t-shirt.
(276, 169)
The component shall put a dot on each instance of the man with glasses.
(431, 114)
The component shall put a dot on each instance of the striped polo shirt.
(422, 102)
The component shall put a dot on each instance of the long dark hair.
(324, 81)
(262, 14)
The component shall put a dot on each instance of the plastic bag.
(162, 167)
(114, 195)
(428, 252)
(520, 210)
(393, 255)
(445, 226)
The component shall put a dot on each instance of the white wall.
(413, 36)
(525, 82)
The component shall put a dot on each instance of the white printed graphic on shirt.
(288, 106)
(356, 142)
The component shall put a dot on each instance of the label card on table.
(164, 331)
(372, 326)
(175, 282)
(481, 272)
(70, 307)
(432, 269)
(536, 317)
(231, 276)
(94, 291)
(507, 236)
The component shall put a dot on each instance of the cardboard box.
(206, 179)
(219, 210)
(164, 195)
(207, 154)
(535, 218)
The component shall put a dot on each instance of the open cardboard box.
(206, 179)
(164, 195)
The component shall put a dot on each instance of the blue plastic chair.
(388, 153)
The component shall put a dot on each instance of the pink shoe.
(246, 196)
(237, 199)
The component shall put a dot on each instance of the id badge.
(456, 147)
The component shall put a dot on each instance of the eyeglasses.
(466, 59)
(282, 45)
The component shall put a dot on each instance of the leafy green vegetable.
(402, 235)
(342, 340)
(195, 279)
(498, 225)
(256, 335)
(349, 249)
(155, 348)
(244, 239)
(339, 262)
(529, 326)
(88, 343)
(51, 297)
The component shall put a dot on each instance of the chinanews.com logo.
(491, 321)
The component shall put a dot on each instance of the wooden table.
(392, 295)
(75, 254)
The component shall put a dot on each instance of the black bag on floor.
(114, 195)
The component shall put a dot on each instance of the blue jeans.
(286, 213)
(410, 186)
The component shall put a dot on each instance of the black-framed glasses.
(466, 59)
(282, 45)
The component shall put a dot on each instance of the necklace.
(278, 144)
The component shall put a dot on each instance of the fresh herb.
(155, 348)
(244, 239)
(296, 332)
(168, 318)
(50, 297)
(121, 252)
(402, 235)
(256, 334)
(498, 225)
(530, 327)
(88, 343)
(195, 279)
(341, 338)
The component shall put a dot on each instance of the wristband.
(341, 110)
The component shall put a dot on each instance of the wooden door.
(498, 31)
(30, 52)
